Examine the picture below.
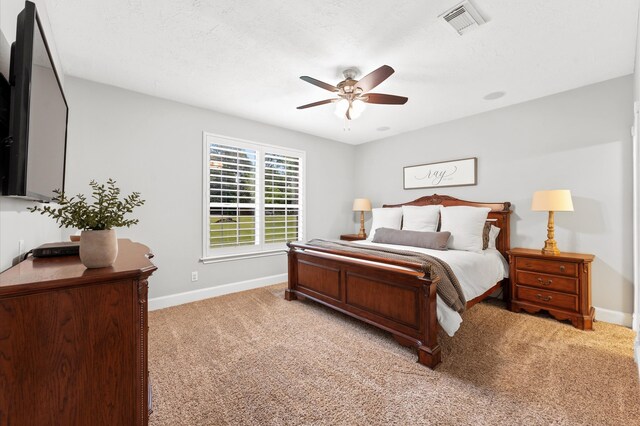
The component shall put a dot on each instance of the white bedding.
(476, 272)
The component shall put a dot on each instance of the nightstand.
(351, 237)
(559, 284)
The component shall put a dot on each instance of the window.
(253, 196)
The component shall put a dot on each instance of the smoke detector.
(462, 17)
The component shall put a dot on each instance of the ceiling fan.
(352, 94)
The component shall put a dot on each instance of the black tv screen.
(34, 153)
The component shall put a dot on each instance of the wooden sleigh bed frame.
(400, 301)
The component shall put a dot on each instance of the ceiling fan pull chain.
(346, 126)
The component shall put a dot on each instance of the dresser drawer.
(568, 302)
(555, 267)
(547, 282)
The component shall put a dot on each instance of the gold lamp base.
(550, 245)
(550, 248)
(362, 234)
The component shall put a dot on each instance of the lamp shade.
(361, 205)
(557, 200)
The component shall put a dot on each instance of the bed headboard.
(501, 212)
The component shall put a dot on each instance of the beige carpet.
(253, 358)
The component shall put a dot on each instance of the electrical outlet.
(194, 276)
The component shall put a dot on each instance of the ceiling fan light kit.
(357, 107)
(354, 94)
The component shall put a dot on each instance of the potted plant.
(98, 243)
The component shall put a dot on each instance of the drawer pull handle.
(547, 283)
(562, 268)
(544, 299)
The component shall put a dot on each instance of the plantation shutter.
(253, 198)
(233, 191)
(282, 197)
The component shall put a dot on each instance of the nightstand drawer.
(547, 266)
(547, 282)
(551, 299)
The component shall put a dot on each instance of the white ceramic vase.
(98, 249)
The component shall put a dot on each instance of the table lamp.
(361, 205)
(557, 200)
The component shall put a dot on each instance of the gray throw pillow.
(430, 240)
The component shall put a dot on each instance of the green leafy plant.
(107, 210)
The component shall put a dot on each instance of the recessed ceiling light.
(494, 95)
(383, 128)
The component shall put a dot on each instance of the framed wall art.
(445, 173)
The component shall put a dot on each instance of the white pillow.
(465, 224)
(385, 218)
(420, 218)
(493, 234)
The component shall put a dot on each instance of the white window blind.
(281, 197)
(233, 190)
(255, 194)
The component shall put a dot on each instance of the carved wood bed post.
(293, 275)
(429, 351)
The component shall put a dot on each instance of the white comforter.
(476, 272)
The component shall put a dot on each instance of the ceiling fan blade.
(347, 113)
(326, 101)
(374, 78)
(380, 98)
(322, 84)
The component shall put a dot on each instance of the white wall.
(154, 146)
(577, 140)
(16, 223)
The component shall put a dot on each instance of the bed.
(393, 295)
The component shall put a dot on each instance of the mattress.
(476, 272)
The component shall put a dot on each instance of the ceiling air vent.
(462, 18)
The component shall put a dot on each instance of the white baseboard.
(614, 317)
(205, 293)
(602, 314)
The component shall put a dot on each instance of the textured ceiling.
(244, 57)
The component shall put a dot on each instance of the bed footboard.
(400, 301)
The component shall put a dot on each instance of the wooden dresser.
(559, 284)
(73, 341)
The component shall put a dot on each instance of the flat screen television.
(32, 156)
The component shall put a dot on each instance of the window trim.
(252, 251)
